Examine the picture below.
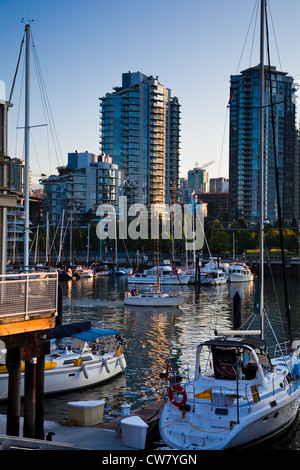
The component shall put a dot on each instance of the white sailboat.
(153, 297)
(81, 360)
(239, 396)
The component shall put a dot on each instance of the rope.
(195, 427)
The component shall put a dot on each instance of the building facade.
(244, 146)
(140, 130)
(198, 180)
(18, 175)
(218, 185)
(88, 181)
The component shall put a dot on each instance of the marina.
(204, 356)
(150, 334)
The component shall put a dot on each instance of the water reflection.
(152, 334)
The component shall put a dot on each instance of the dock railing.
(24, 294)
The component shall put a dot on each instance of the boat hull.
(239, 278)
(63, 379)
(168, 280)
(153, 302)
(204, 429)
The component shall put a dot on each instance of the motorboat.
(83, 272)
(214, 277)
(84, 359)
(239, 272)
(153, 298)
(166, 276)
(102, 271)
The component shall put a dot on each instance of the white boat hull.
(239, 278)
(154, 301)
(62, 378)
(167, 280)
(223, 422)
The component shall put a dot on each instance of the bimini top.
(95, 333)
(236, 341)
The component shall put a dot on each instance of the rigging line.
(46, 97)
(246, 38)
(17, 68)
(44, 104)
(19, 109)
(287, 302)
(275, 36)
(273, 283)
(252, 45)
(35, 153)
(223, 138)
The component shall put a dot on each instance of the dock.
(66, 435)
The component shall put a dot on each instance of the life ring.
(178, 389)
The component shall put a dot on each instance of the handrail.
(28, 293)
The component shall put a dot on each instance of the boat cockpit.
(233, 358)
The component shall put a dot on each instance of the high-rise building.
(87, 182)
(218, 185)
(139, 129)
(198, 180)
(244, 146)
(18, 175)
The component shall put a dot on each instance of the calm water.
(151, 334)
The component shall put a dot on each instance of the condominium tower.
(139, 129)
(244, 146)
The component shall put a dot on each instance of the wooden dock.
(149, 413)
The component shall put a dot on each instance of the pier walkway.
(102, 436)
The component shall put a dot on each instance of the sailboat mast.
(27, 127)
(261, 240)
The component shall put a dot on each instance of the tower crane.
(205, 165)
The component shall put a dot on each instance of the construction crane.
(205, 165)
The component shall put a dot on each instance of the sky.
(83, 47)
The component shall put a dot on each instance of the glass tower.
(139, 129)
(244, 146)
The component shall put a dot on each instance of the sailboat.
(81, 357)
(152, 297)
(239, 396)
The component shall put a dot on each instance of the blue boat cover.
(94, 333)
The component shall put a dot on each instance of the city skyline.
(193, 48)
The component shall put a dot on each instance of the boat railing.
(23, 294)
(279, 349)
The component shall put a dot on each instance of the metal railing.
(28, 293)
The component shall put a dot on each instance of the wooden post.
(13, 364)
(29, 398)
(39, 412)
(59, 317)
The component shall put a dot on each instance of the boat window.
(224, 362)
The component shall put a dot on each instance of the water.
(151, 334)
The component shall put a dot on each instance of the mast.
(261, 241)
(27, 127)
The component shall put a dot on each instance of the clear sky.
(83, 47)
